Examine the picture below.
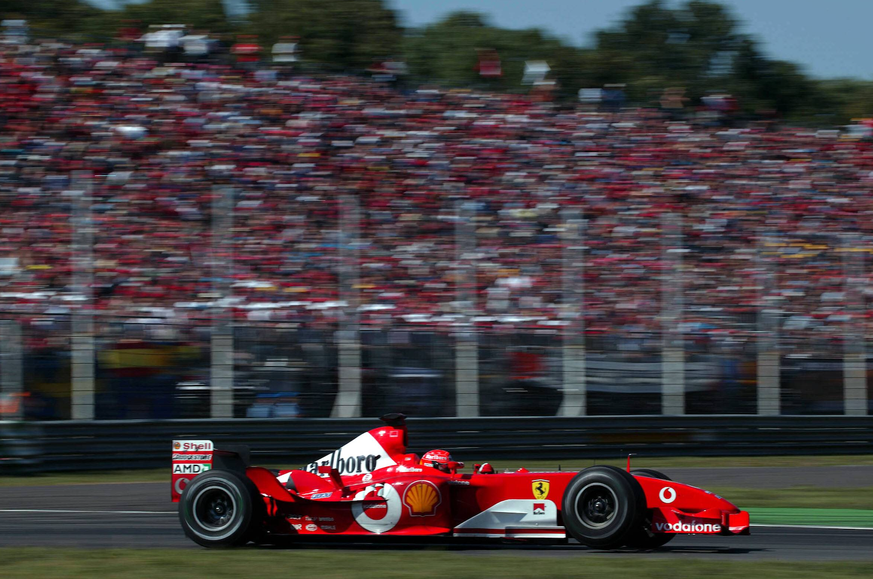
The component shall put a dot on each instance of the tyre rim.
(596, 505)
(214, 508)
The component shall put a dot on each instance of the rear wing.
(190, 458)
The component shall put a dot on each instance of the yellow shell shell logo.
(177, 445)
(422, 498)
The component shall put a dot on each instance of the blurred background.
(296, 208)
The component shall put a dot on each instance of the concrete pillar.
(467, 374)
(854, 344)
(11, 375)
(466, 342)
(769, 362)
(672, 304)
(82, 317)
(573, 288)
(221, 343)
(348, 400)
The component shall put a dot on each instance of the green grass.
(799, 497)
(162, 475)
(817, 517)
(383, 564)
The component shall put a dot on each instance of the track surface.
(140, 515)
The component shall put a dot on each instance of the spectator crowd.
(761, 215)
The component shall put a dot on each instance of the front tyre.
(603, 506)
(219, 509)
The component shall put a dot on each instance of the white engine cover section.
(362, 455)
(514, 519)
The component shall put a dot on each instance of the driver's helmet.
(438, 459)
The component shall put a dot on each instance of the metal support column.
(82, 318)
(854, 342)
(11, 381)
(348, 400)
(769, 365)
(573, 288)
(672, 304)
(221, 346)
(467, 343)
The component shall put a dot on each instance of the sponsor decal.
(367, 477)
(180, 485)
(692, 527)
(293, 517)
(402, 468)
(361, 455)
(540, 489)
(378, 517)
(328, 527)
(297, 527)
(193, 445)
(188, 456)
(320, 496)
(539, 508)
(459, 482)
(394, 434)
(325, 519)
(311, 527)
(193, 468)
(422, 498)
(667, 495)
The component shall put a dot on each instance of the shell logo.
(422, 498)
(177, 445)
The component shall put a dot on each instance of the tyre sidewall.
(629, 510)
(239, 528)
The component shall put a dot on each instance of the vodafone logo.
(377, 517)
(667, 495)
(692, 527)
(180, 485)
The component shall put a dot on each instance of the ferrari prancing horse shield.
(540, 489)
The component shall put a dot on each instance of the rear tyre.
(220, 509)
(602, 506)
(643, 538)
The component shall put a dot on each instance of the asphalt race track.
(140, 515)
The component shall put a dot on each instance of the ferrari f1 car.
(372, 486)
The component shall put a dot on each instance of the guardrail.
(109, 445)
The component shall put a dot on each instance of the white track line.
(78, 512)
(815, 527)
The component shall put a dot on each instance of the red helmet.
(437, 459)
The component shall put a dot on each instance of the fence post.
(348, 400)
(672, 348)
(10, 366)
(573, 282)
(82, 318)
(769, 364)
(854, 341)
(221, 342)
(467, 343)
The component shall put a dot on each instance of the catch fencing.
(45, 447)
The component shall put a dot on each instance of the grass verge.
(382, 564)
(162, 475)
(813, 517)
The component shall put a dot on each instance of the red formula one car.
(371, 486)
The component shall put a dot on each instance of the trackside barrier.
(111, 445)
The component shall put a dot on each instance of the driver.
(438, 459)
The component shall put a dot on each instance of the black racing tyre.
(602, 506)
(643, 538)
(220, 508)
